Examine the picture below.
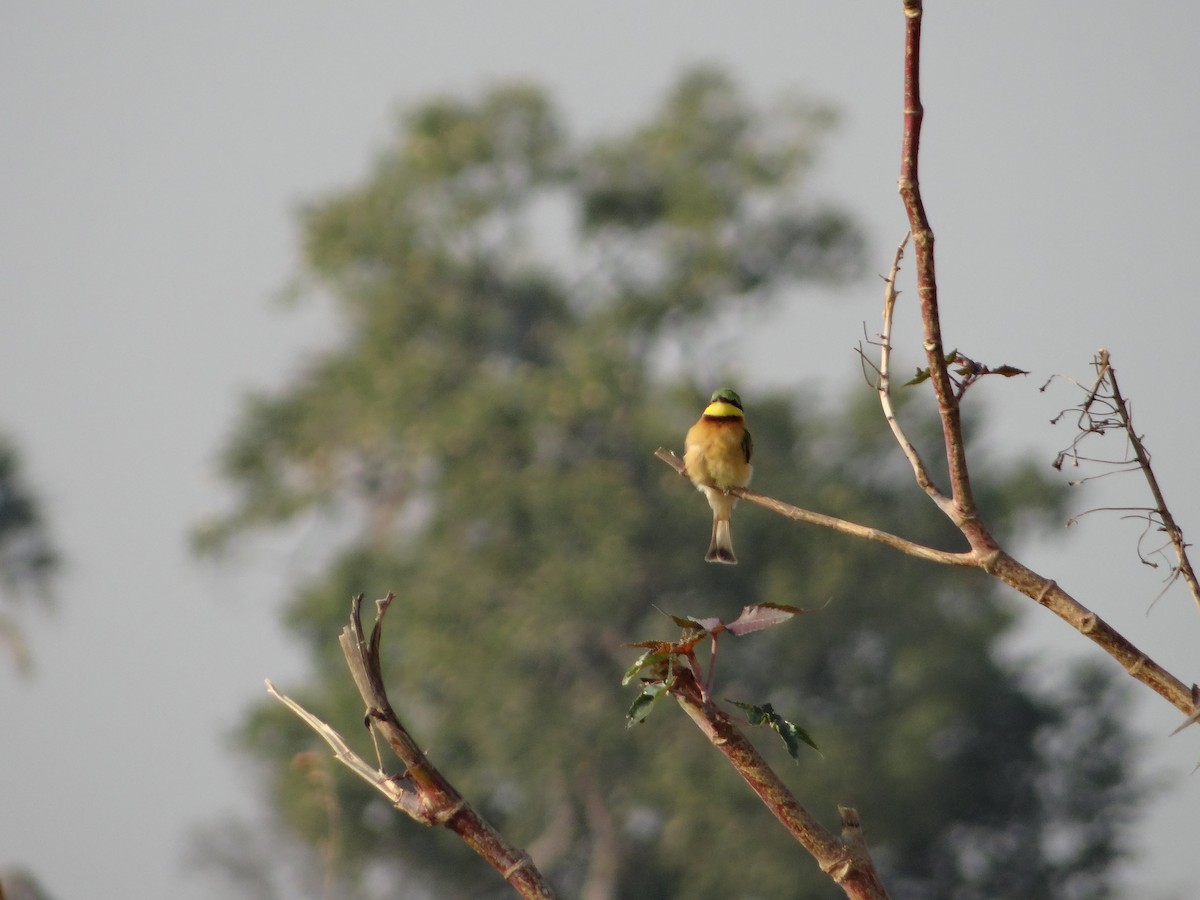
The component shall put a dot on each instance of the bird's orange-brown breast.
(715, 454)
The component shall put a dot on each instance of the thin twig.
(884, 387)
(1174, 532)
(1104, 409)
(1195, 716)
(385, 784)
(947, 557)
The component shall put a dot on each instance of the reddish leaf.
(763, 615)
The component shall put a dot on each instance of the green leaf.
(643, 703)
(922, 375)
(649, 658)
(791, 733)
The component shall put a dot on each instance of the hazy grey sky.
(151, 156)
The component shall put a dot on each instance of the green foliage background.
(486, 424)
(28, 558)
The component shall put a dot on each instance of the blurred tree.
(27, 558)
(487, 423)
(17, 884)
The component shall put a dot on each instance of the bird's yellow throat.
(722, 410)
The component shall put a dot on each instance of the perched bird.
(717, 453)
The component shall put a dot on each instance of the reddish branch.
(853, 529)
(845, 859)
(922, 236)
(985, 549)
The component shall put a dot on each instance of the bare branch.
(846, 860)
(985, 551)
(1000, 565)
(1174, 532)
(1104, 409)
(962, 512)
(385, 784)
(421, 790)
(884, 387)
(866, 533)
(1047, 593)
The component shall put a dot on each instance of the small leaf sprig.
(661, 663)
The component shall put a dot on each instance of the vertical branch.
(1105, 408)
(922, 233)
(985, 551)
(1184, 569)
(884, 388)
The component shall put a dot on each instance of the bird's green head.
(724, 404)
(726, 395)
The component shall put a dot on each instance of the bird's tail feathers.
(720, 548)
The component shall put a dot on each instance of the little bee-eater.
(717, 453)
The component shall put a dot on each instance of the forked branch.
(1105, 409)
(985, 552)
(883, 385)
(1000, 565)
(419, 789)
(1184, 568)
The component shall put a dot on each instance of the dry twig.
(420, 790)
(1106, 409)
(865, 532)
